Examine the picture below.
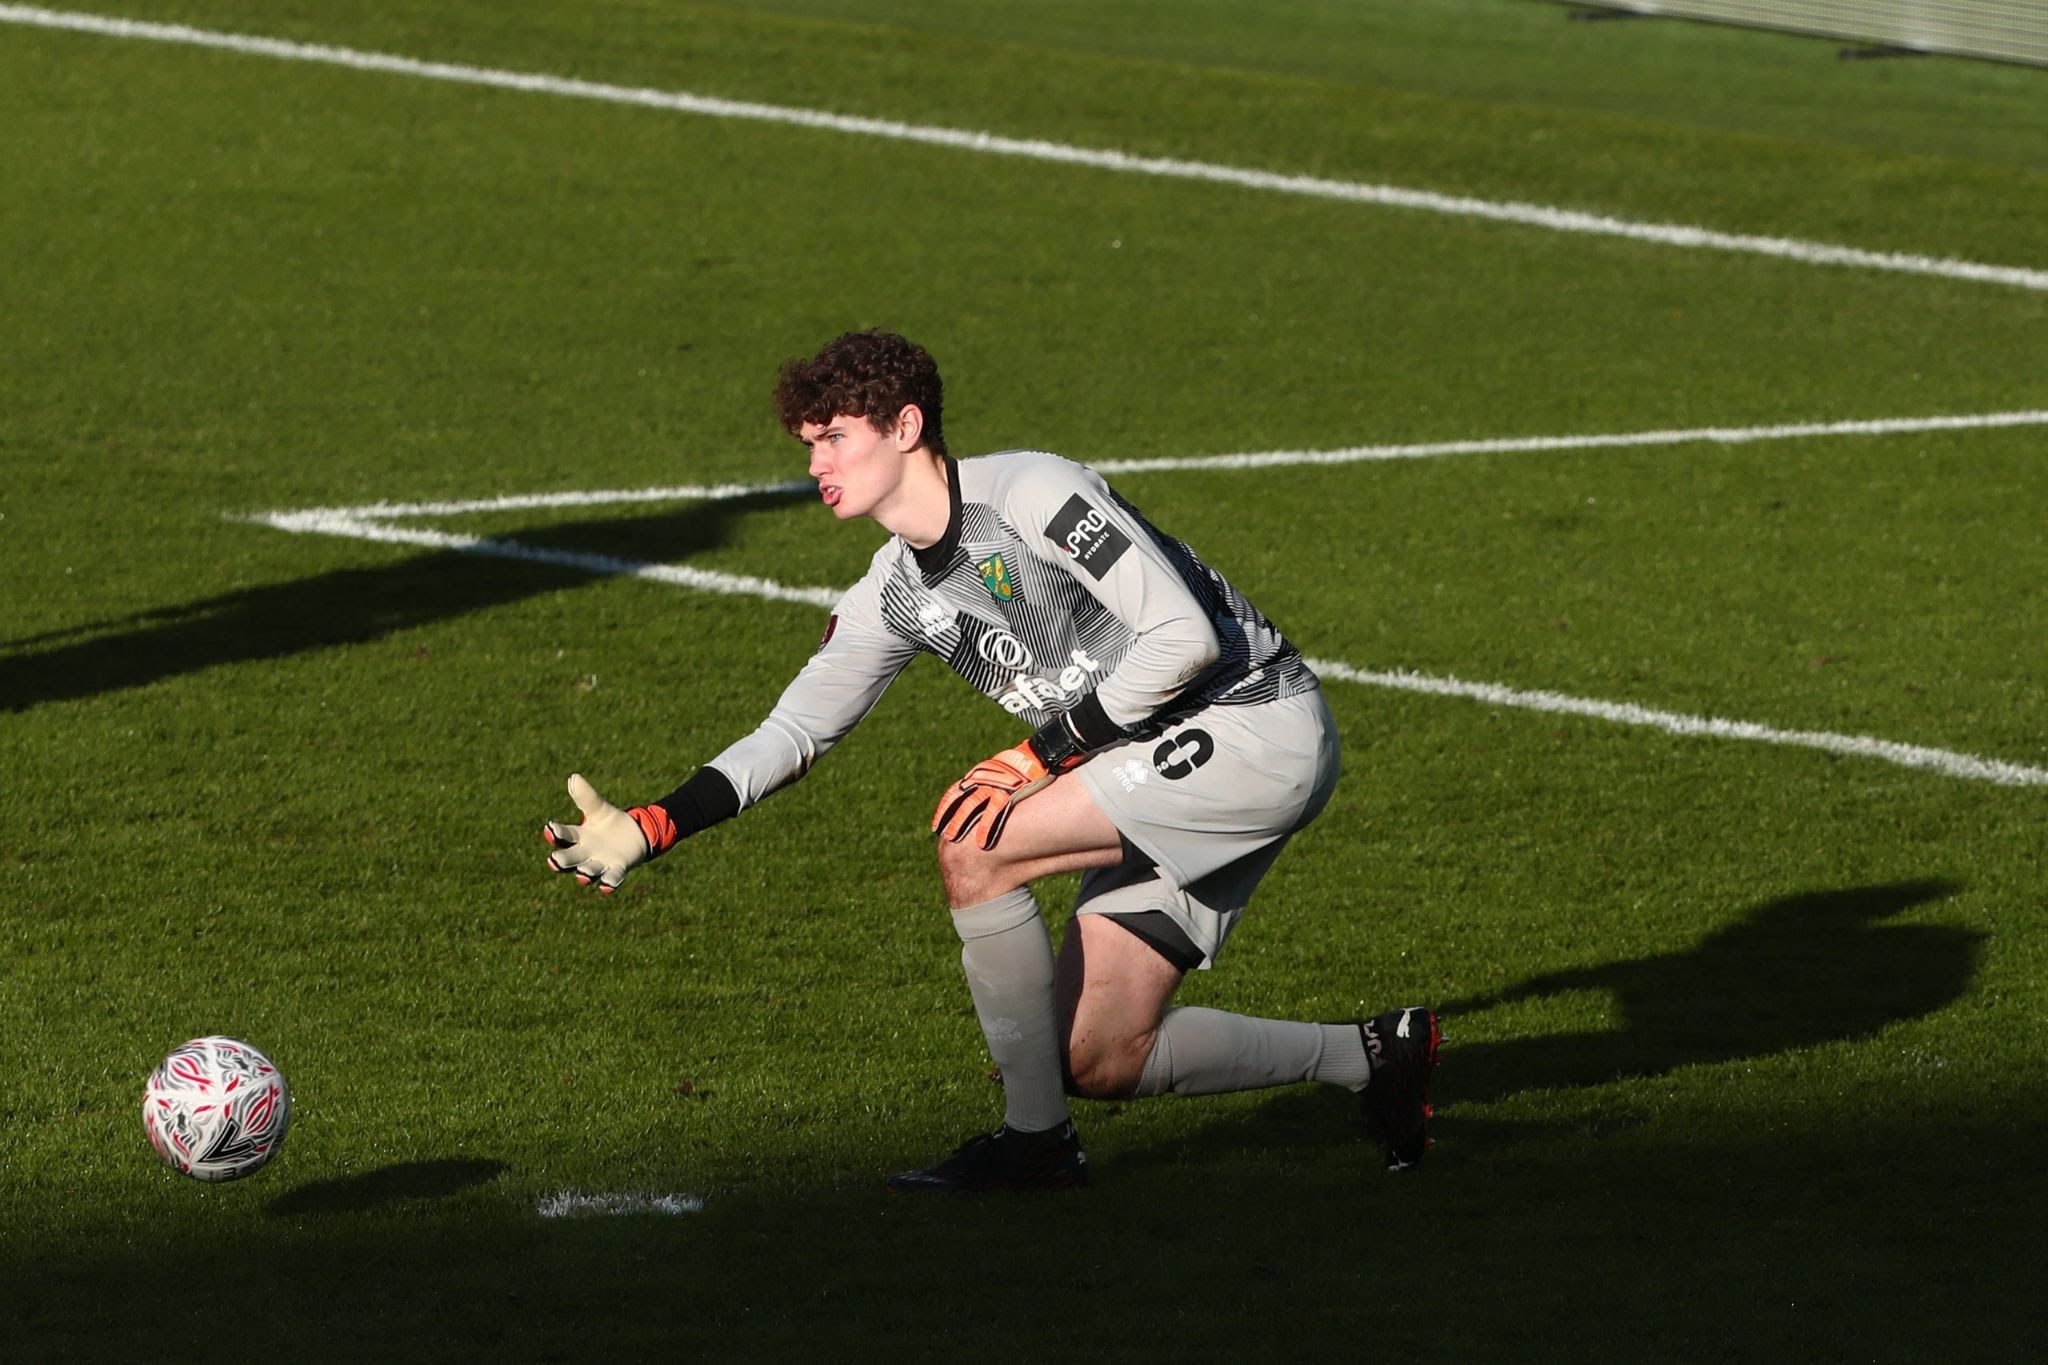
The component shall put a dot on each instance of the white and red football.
(216, 1109)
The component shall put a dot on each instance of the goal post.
(2003, 30)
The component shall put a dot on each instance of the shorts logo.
(1132, 773)
(995, 576)
(831, 625)
(1085, 535)
(1183, 753)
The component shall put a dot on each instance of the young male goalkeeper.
(1176, 741)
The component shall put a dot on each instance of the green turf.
(1747, 1054)
(1528, 52)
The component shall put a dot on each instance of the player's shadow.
(407, 1180)
(1792, 973)
(1804, 970)
(346, 606)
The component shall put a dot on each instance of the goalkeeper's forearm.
(706, 799)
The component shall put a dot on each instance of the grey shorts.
(1208, 805)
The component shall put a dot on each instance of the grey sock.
(1009, 964)
(1209, 1052)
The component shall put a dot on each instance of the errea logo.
(1132, 773)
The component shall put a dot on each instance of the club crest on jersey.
(995, 576)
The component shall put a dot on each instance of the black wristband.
(1092, 726)
(1074, 734)
(705, 800)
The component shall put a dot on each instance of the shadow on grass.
(387, 1185)
(1792, 973)
(347, 606)
(1897, 1230)
(1895, 1217)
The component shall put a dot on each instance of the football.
(216, 1109)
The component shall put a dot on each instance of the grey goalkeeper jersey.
(1046, 587)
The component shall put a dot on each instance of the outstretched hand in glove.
(610, 842)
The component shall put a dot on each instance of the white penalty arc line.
(991, 144)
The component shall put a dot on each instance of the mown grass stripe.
(1549, 218)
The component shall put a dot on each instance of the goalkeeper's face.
(859, 466)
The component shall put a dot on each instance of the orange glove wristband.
(656, 828)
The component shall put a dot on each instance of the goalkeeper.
(1177, 741)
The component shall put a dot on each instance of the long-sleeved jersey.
(1047, 590)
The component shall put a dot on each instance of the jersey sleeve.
(854, 664)
(1069, 517)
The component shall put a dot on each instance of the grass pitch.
(1746, 1039)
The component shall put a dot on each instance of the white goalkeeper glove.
(610, 842)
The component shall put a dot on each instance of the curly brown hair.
(874, 375)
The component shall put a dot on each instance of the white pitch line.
(574, 1204)
(1520, 445)
(596, 497)
(1949, 764)
(330, 522)
(991, 144)
(303, 518)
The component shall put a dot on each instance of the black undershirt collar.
(933, 559)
